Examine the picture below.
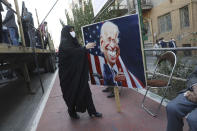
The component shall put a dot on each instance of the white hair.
(109, 29)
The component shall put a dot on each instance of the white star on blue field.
(92, 34)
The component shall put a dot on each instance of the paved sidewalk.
(132, 117)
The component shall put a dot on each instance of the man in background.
(10, 23)
(27, 17)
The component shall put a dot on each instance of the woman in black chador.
(73, 74)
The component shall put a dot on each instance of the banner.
(117, 58)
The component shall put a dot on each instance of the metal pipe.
(20, 23)
(7, 5)
(175, 78)
(171, 49)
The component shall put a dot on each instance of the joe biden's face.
(109, 42)
(111, 50)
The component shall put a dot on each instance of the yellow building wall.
(195, 21)
(182, 36)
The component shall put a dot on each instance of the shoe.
(110, 95)
(105, 90)
(96, 114)
(73, 114)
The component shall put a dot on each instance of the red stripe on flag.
(98, 68)
(132, 81)
(124, 83)
(140, 82)
(90, 69)
(105, 60)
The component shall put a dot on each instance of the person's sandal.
(110, 95)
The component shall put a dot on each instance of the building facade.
(176, 19)
(168, 19)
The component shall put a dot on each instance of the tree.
(83, 15)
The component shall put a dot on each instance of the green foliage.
(109, 14)
(83, 15)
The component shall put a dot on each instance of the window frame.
(163, 19)
(182, 20)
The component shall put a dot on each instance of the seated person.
(172, 44)
(185, 104)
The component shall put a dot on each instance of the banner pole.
(117, 98)
(141, 26)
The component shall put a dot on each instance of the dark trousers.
(13, 36)
(90, 105)
(31, 33)
(46, 42)
(6, 37)
(179, 108)
(89, 102)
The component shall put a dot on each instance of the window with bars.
(147, 28)
(184, 17)
(165, 23)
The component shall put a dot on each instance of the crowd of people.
(9, 31)
(161, 43)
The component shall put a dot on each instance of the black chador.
(73, 74)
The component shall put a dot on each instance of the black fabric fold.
(73, 72)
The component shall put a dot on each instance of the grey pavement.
(17, 105)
